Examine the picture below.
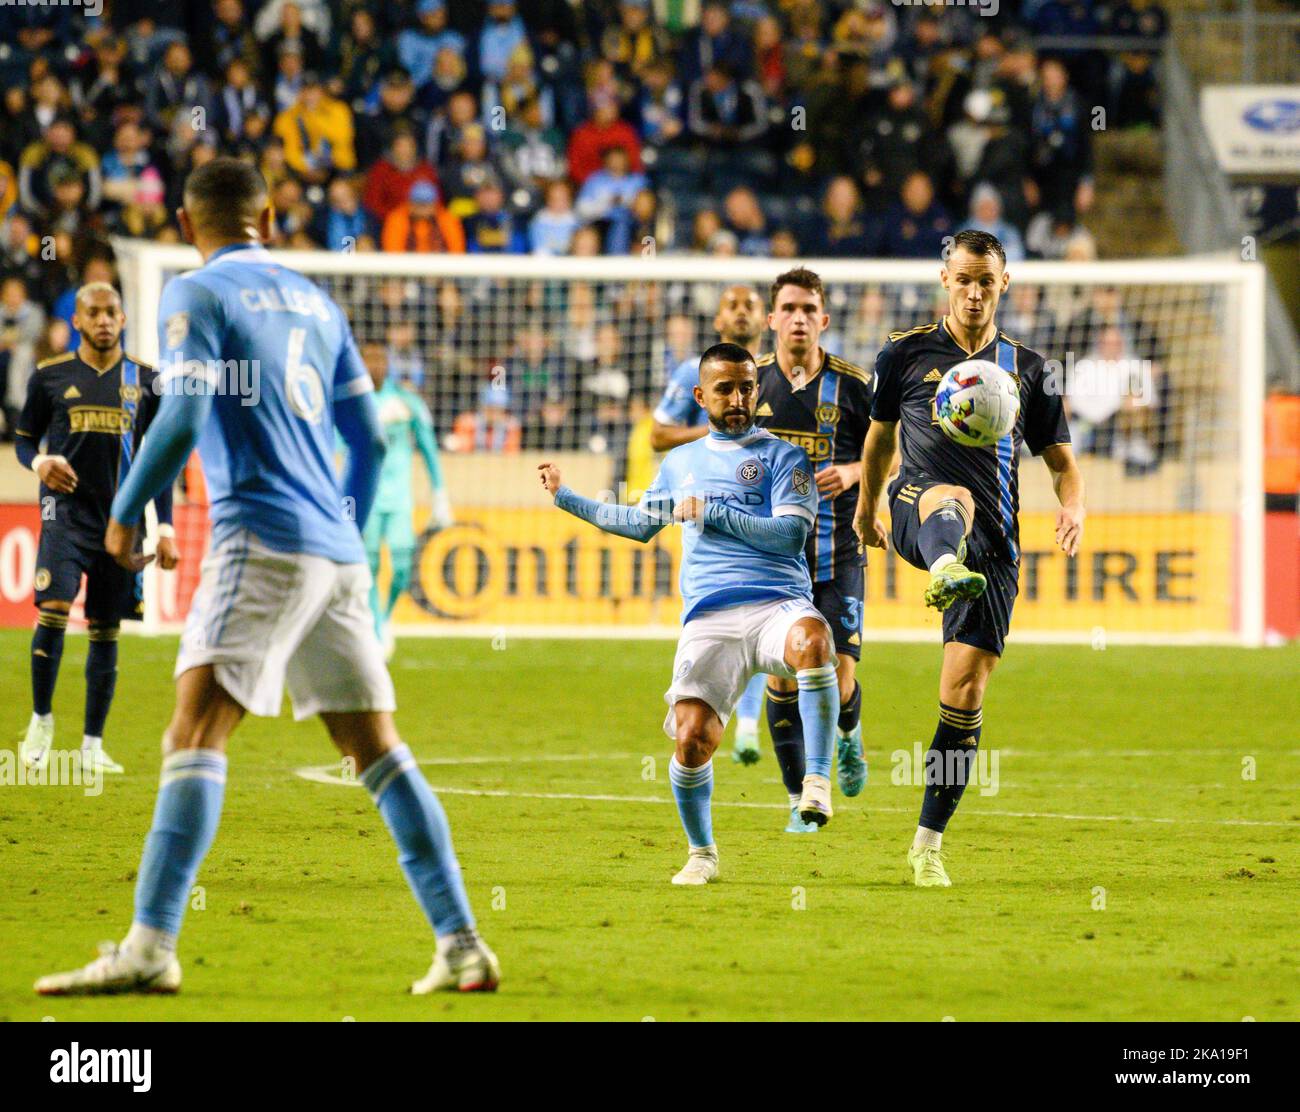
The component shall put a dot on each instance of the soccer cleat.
(472, 968)
(701, 866)
(116, 971)
(746, 749)
(97, 759)
(815, 803)
(850, 763)
(927, 868)
(953, 582)
(796, 825)
(35, 749)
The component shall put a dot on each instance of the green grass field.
(1119, 770)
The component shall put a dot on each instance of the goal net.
(525, 359)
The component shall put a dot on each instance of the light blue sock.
(693, 790)
(185, 818)
(419, 827)
(819, 707)
(751, 702)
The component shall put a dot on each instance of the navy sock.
(949, 764)
(851, 711)
(942, 532)
(47, 651)
(101, 677)
(786, 727)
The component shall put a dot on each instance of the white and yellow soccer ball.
(976, 403)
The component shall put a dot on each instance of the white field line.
(329, 774)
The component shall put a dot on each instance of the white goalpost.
(524, 358)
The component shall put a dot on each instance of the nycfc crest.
(750, 471)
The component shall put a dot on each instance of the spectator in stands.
(363, 58)
(769, 57)
(603, 130)
(418, 46)
(704, 227)
(342, 224)
(289, 72)
(317, 133)
(176, 87)
(229, 39)
(986, 216)
(105, 82)
(393, 110)
(489, 428)
(746, 221)
(469, 168)
(502, 33)
(22, 322)
(604, 427)
(1062, 142)
(300, 27)
(660, 105)
(123, 165)
(551, 231)
(723, 112)
(446, 128)
(390, 179)
(492, 228)
(715, 40)
(19, 250)
(551, 427)
(1049, 233)
(423, 224)
(633, 43)
(916, 226)
(896, 140)
(501, 100)
(58, 153)
(533, 154)
(240, 114)
(533, 371)
(606, 199)
(843, 230)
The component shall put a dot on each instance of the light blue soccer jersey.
(759, 474)
(278, 353)
(678, 405)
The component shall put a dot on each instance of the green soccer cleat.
(796, 825)
(927, 868)
(953, 582)
(746, 750)
(850, 763)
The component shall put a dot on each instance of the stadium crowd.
(817, 128)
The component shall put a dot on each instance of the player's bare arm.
(877, 462)
(837, 478)
(665, 437)
(56, 473)
(120, 543)
(1067, 481)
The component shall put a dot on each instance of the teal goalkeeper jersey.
(408, 426)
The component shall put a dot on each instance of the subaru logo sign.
(1281, 117)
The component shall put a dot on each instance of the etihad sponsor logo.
(99, 418)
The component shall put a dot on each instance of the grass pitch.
(1128, 866)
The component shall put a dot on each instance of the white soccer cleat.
(927, 867)
(96, 759)
(472, 968)
(701, 866)
(35, 749)
(815, 803)
(116, 970)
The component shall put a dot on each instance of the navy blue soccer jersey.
(95, 420)
(827, 417)
(908, 371)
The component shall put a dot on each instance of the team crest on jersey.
(827, 414)
(42, 580)
(684, 669)
(801, 481)
(178, 327)
(750, 471)
(130, 393)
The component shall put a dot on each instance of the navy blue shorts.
(982, 622)
(840, 601)
(113, 594)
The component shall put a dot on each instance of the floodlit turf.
(1124, 869)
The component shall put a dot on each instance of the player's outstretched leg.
(699, 730)
(786, 729)
(190, 794)
(101, 681)
(746, 749)
(946, 515)
(47, 651)
(951, 758)
(808, 653)
(462, 961)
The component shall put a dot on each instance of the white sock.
(942, 562)
(457, 940)
(927, 838)
(794, 799)
(88, 743)
(148, 943)
(43, 719)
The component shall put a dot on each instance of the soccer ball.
(977, 403)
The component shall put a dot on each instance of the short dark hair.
(978, 243)
(725, 353)
(223, 196)
(802, 277)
